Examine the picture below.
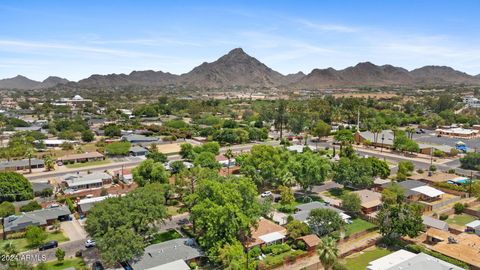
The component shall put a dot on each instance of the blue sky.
(74, 39)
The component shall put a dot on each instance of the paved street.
(35, 256)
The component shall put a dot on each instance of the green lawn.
(461, 219)
(162, 237)
(360, 261)
(358, 225)
(21, 244)
(77, 263)
(86, 164)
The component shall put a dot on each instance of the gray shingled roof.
(20, 163)
(74, 180)
(435, 223)
(407, 186)
(35, 218)
(167, 252)
(139, 138)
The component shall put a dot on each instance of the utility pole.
(358, 120)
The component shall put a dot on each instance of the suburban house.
(473, 227)
(464, 247)
(41, 217)
(430, 222)
(74, 182)
(52, 143)
(302, 211)
(266, 232)
(371, 201)
(39, 187)
(223, 160)
(21, 164)
(139, 139)
(172, 254)
(84, 157)
(403, 259)
(431, 198)
(84, 205)
(137, 151)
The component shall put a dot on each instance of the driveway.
(73, 230)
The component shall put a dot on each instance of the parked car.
(97, 266)
(48, 245)
(266, 194)
(90, 243)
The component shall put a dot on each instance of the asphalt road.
(44, 177)
(34, 256)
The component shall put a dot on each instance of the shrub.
(78, 254)
(458, 207)
(451, 171)
(443, 217)
(193, 265)
(339, 266)
(432, 168)
(30, 206)
(276, 249)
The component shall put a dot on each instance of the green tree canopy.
(224, 211)
(323, 221)
(14, 187)
(150, 171)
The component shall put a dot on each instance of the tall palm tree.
(29, 153)
(327, 252)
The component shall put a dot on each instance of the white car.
(89, 243)
(266, 194)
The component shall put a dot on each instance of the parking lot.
(431, 138)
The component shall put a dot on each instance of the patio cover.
(271, 237)
(428, 191)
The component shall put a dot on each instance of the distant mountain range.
(237, 68)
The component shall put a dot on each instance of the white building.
(471, 102)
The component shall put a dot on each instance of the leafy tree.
(356, 172)
(112, 131)
(280, 116)
(321, 129)
(394, 194)
(88, 135)
(120, 244)
(224, 211)
(30, 206)
(177, 166)
(323, 221)
(206, 160)
(471, 161)
(118, 148)
(229, 155)
(327, 252)
(379, 167)
(309, 169)
(35, 236)
(70, 205)
(14, 187)
(120, 224)
(297, 229)
(150, 171)
(265, 164)
(60, 254)
(232, 256)
(186, 151)
(287, 195)
(212, 147)
(157, 157)
(351, 203)
(397, 220)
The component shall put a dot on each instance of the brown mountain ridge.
(237, 68)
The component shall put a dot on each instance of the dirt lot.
(169, 148)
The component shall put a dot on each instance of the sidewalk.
(418, 157)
